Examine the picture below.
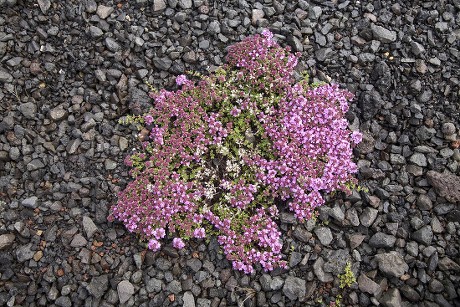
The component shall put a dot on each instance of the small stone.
(95, 32)
(98, 286)
(382, 240)
(324, 235)
(448, 129)
(417, 48)
(256, 16)
(162, 63)
(24, 252)
(78, 241)
(110, 164)
(37, 256)
(89, 227)
(104, 11)
(447, 264)
(44, 5)
(294, 288)
(391, 298)
(189, 299)
(63, 301)
(112, 44)
(424, 202)
(424, 235)
(30, 202)
(5, 76)
(154, 285)
(125, 291)
(58, 113)
(356, 240)
(159, 5)
(185, 4)
(35, 164)
(366, 284)
(368, 216)
(392, 263)
(382, 34)
(319, 271)
(29, 110)
(418, 159)
(435, 286)
(6, 240)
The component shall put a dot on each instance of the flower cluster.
(221, 151)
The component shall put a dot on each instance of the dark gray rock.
(368, 216)
(324, 235)
(424, 235)
(112, 44)
(29, 110)
(98, 285)
(154, 285)
(5, 76)
(382, 240)
(162, 63)
(63, 301)
(370, 103)
(24, 252)
(30, 202)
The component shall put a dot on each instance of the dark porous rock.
(447, 264)
(424, 235)
(336, 261)
(410, 293)
(294, 288)
(24, 253)
(370, 103)
(382, 240)
(446, 185)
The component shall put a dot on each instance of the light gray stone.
(366, 284)
(30, 202)
(382, 34)
(189, 299)
(104, 11)
(125, 291)
(98, 286)
(391, 298)
(424, 235)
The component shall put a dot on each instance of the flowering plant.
(220, 151)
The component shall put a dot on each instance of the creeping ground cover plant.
(218, 154)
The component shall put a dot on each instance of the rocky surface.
(70, 69)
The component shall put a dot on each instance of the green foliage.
(347, 278)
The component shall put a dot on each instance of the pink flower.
(148, 119)
(199, 233)
(154, 245)
(356, 137)
(181, 79)
(178, 243)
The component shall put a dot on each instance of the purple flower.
(356, 137)
(181, 79)
(154, 245)
(148, 119)
(199, 233)
(178, 243)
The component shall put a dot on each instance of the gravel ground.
(70, 69)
